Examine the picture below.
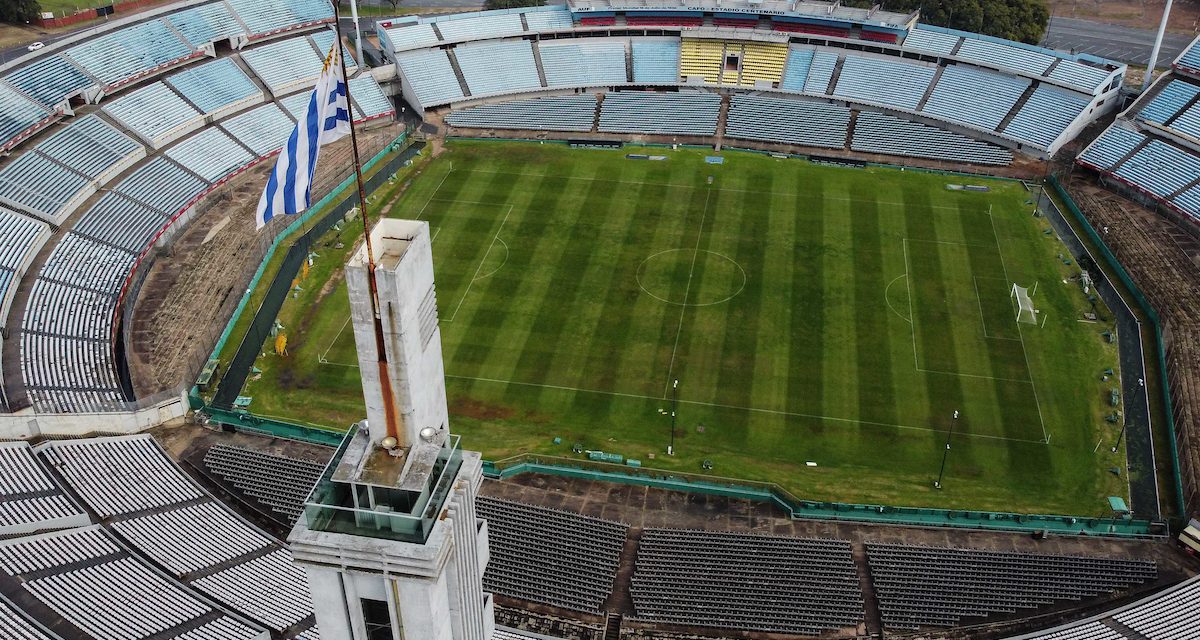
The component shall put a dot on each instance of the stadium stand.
(93, 148)
(429, 73)
(584, 62)
(820, 72)
(36, 184)
(957, 96)
(13, 626)
(497, 67)
(906, 83)
(264, 129)
(410, 35)
(283, 490)
(210, 154)
(944, 587)
(800, 122)
(49, 80)
(216, 88)
(156, 114)
(762, 63)
(553, 557)
(1005, 56)
(369, 100)
(1166, 615)
(158, 510)
(796, 70)
(882, 133)
(479, 26)
(1173, 97)
(935, 42)
(746, 582)
(206, 23)
(1079, 76)
(21, 117)
(130, 53)
(1110, 148)
(1160, 168)
(548, 18)
(655, 61)
(285, 65)
(89, 580)
(1045, 115)
(550, 113)
(20, 240)
(701, 58)
(276, 16)
(32, 501)
(684, 114)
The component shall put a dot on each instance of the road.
(1123, 44)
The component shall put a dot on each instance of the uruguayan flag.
(326, 119)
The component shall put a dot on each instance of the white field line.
(776, 412)
(435, 190)
(982, 321)
(912, 318)
(686, 291)
(888, 300)
(482, 261)
(321, 358)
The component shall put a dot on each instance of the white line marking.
(687, 290)
(321, 356)
(481, 263)
(982, 320)
(436, 189)
(889, 302)
(777, 412)
(913, 318)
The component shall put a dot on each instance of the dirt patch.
(476, 410)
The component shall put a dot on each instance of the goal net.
(1025, 311)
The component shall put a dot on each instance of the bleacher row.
(71, 369)
(758, 118)
(402, 34)
(932, 586)
(147, 502)
(31, 95)
(555, 557)
(282, 489)
(1025, 111)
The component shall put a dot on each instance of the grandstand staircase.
(596, 117)
(1017, 106)
(620, 600)
(537, 63)
(722, 117)
(437, 31)
(937, 75)
(837, 73)
(850, 127)
(1125, 631)
(628, 62)
(462, 80)
(258, 82)
(612, 629)
(873, 618)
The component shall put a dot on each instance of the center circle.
(690, 277)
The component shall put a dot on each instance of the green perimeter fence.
(645, 476)
(1148, 309)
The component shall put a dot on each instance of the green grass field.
(809, 313)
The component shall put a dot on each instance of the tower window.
(379, 621)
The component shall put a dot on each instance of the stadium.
(753, 319)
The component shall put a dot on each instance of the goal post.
(1025, 311)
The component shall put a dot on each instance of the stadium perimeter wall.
(169, 406)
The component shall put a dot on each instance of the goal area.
(1025, 311)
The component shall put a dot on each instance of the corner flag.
(326, 119)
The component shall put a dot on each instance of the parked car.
(35, 46)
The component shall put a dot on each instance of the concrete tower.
(389, 536)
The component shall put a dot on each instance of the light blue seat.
(685, 114)
(206, 23)
(210, 154)
(498, 66)
(960, 96)
(477, 26)
(50, 80)
(1189, 201)
(550, 113)
(369, 100)
(155, 113)
(934, 42)
(1047, 113)
(215, 85)
(285, 65)
(20, 237)
(265, 16)
(1160, 168)
(1190, 58)
(1006, 56)
(584, 62)
(264, 128)
(1079, 75)
(796, 70)
(130, 52)
(883, 81)
(161, 185)
(820, 71)
(1188, 122)
(40, 185)
(17, 114)
(882, 133)
(432, 78)
(655, 61)
(1115, 143)
(548, 18)
(324, 41)
(801, 122)
(1169, 101)
(296, 103)
(411, 36)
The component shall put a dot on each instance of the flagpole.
(385, 380)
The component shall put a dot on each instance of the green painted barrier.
(819, 510)
(1148, 309)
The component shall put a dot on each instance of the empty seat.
(882, 133)
(549, 113)
(683, 113)
(800, 122)
(496, 67)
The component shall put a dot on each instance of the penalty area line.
(776, 412)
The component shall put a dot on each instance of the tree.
(1020, 20)
(19, 11)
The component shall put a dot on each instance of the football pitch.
(819, 327)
